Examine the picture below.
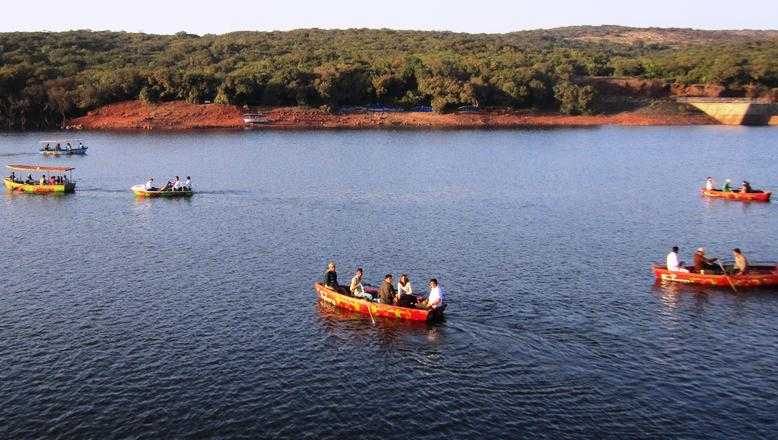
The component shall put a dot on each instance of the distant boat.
(254, 119)
(141, 191)
(62, 147)
(756, 196)
(758, 275)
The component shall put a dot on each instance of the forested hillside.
(47, 77)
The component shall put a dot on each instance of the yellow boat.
(32, 184)
(141, 191)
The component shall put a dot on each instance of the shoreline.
(177, 116)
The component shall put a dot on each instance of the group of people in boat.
(401, 296)
(51, 180)
(705, 265)
(58, 147)
(175, 184)
(745, 187)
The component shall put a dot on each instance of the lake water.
(125, 318)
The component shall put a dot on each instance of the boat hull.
(738, 196)
(140, 191)
(78, 151)
(376, 309)
(762, 276)
(39, 189)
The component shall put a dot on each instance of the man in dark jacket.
(387, 292)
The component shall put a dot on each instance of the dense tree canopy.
(47, 77)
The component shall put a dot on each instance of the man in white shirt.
(437, 295)
(188, 183)
(709, 184)
(176, 184)
(673, 265)
(150, 185)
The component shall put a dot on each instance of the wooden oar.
(370, 312)
(727, 276)
(368, 302)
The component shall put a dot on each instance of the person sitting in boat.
(709, 184)
(52, 180)
(42, 180)
(331, 278)
(436, 297)
(386, 292)
(406, 297)
(69, 147)
(356, 288)
(673, 265)
(727, 186)
(29, 180)
(58, 148)
(12, 177)
(149, 186)
(176, 184)
(741, 262)
(188, 184)
(168, 186)
(701, 262)
(746, 188)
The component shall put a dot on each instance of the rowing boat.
(55, 147)
(758, 275)
(141, 191)
(24, 186)
(376, 309)
(757, 196)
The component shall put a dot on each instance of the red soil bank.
(182, 116)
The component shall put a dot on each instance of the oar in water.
(727, 276)
(368, 303)
(370, 312)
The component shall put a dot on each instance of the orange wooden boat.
(757, 196)
(377, 309)
(758, 275)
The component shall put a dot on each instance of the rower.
(673, 265)
(746, 188)
(188, 184)
(727, 186)
(356, 287)
(709, 184)
(741, 262)
(176, 184)
(702, 263)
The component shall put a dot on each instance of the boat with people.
(173, 188)
(743, 194)
(59, 180)
(366, 307)
(63, 147)
(757, 196)
(761, 274)
(141, 191)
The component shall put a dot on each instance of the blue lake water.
(127, 318)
